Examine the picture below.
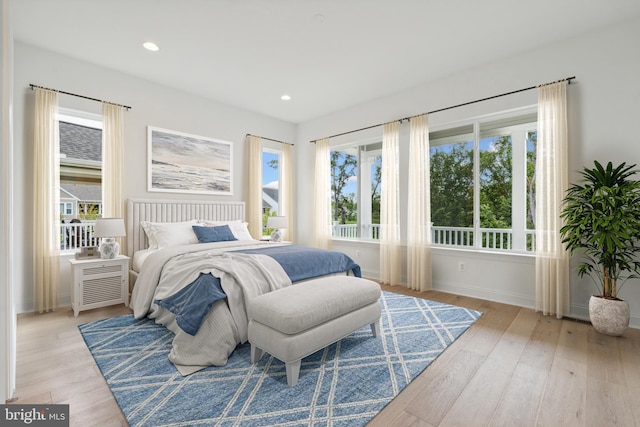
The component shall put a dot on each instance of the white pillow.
(163, 234)
(238, 228)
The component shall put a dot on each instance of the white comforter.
(242, 277)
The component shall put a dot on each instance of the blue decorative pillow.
(221, 233)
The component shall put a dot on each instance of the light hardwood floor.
(513, 367)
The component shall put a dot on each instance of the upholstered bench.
(296, 321)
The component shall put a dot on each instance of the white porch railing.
(452, 236)
(77, 235)
(345, 231)
(350, 231)
(492, 238)
(531, 240)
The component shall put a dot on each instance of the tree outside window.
(484, 173)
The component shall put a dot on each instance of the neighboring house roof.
(64, 194)
(269, 197)
(83, 192)
(80, 142)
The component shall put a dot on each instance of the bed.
(195, 267)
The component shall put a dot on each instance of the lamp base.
(109, 248)
(276, 236)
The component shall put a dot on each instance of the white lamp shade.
(109, 227)
(278, 222)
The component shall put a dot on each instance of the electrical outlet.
(461, 266)
(358, 254)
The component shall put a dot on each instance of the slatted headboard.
(158, 210)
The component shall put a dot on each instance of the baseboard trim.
(468, 291)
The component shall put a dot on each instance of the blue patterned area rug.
(346, 384)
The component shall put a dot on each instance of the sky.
(269, 174)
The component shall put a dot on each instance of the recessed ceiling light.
(151, 46)
(285, 97)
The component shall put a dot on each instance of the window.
(270, 187)
(80, 177)
(532, 139)
(66, 208)
(482, 184)
(452, 186)
(355, 191)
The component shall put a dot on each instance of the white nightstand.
(99, 282)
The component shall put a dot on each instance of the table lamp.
(108, 229)
(277, 223)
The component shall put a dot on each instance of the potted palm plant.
(602, 223)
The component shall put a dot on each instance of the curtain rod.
(269, 139)
(79, 96)
(568, 79)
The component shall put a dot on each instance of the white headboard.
(158, 210)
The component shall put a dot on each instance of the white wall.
(152, 104)
(603, 109)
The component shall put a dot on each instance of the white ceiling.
(326, 54)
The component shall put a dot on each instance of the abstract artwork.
(183, 163)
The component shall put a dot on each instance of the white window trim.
(476, 121)
(355, 145)
(81, 118)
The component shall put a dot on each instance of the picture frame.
(179, 162)
(88, 252)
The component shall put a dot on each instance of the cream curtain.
(46, 200)
(552, 261)
(112, 163)
(322, 195)
(286, 192)
(419, 207)
(254, 201)
(389, 208)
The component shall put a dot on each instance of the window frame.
(266, 232)
(366, 232)
(64, 211)
(519, 230)
(79, 171)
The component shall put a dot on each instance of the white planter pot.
(608, 316)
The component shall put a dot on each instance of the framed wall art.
(178, 162)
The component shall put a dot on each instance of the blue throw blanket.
(192, 303)
(303, 262)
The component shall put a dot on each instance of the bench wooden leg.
(375, 328)
(256, 353)
(293, 372)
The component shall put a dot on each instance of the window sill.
(344, 239)
(483, 251)
(444, 248)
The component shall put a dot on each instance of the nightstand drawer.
(102, 270)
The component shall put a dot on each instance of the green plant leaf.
(601, 217)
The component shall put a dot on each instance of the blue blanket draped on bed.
(193, 302)
(302, 262)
